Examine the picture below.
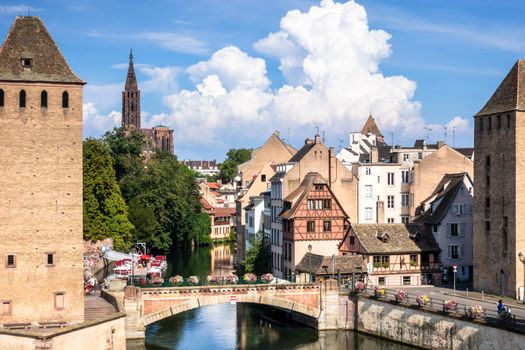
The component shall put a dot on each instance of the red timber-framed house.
(313, 221)
(399, 254)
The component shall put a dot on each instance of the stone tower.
(41, 246)
(499, 187)
(131, 99)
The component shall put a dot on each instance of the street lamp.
(522, 259)
(310, 261)
(133, 251)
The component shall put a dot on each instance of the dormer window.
(383, 236)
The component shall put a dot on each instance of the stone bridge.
(316, 304)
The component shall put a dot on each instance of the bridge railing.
(203, 281)
(449, 306)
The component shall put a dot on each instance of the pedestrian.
(500, 306)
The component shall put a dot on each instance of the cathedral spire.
(131, 99)
(131, 80)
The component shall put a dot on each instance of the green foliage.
(258, 256)
(105, 212)
(234, 157)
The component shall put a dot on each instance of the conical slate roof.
(29, 40)
(510, 94)
(371, 127)
(131, 80)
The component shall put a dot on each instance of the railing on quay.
(143, 282)
(506, 320)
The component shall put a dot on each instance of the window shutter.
(449, 252)
(462, 230)
(461, 251)
(449, 231)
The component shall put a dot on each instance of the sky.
(226, 74)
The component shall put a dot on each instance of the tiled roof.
(217, 211)
(446, 192)
(371, 127)
(402, 238)
(204, 164)
(28, 38)
(302, 152)
(510, 94)
(467, 152)
(205, 204)
(324, 265)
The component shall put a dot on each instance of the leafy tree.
(258, 256)
(126, 151)
(105, 212)
(228, 169)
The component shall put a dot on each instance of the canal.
(241, 326)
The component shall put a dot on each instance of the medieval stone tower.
(131, 99)
(499, 187)
(41, 246)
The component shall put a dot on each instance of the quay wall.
(428, 330)
(106, 333)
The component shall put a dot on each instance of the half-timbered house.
(398, 254)
(313, 221)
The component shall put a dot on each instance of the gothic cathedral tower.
(131, 100)
(499, 188)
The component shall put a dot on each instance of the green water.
(241, 326)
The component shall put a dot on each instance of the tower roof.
(510, 94)
(370, 127)
(131, 80)
(29, 53)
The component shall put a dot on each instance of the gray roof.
(402, 238)
(324, 265)
(302, 152)
(446, 193)
(510, 94)
(28, 38)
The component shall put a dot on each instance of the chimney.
(331, 162)
(374, 155)
(440, 144)
(317, 138)
(277, 133)
(380, 215)
(308, 141)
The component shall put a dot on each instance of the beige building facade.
(41, 273)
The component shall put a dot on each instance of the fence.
(474, 312)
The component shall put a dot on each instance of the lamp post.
(310, 261)
(522, 259)
(133, 251)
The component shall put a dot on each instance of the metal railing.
(487, 316)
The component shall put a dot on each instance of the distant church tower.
(131, 99)
(158, 138)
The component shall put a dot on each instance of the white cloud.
(330, 60)
(176, 42)
(97, 123)
(104, 96)
(163, 79)
(17, 9)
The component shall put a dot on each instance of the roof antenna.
(340, 145)
(323, 137)
(317, 127)
(429, 130)
(445, 127)
(453, 137)
(288, 135)
(392, 139)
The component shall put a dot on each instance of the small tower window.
(65, 99)
(43, 99)
(22, 99)
(27, 62)
(1, 98)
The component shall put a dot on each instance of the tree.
(228, 169)
(258, 256)
(105, 212)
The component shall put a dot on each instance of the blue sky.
(446, 57)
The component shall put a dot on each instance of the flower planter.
(250, 278)
(401, 296)
(422, 300)
(267, 278)
(194, 280)
(176, 280)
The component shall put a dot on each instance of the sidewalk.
(486, 297)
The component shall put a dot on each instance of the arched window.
(43, 99)
(132, 107)
(1, 98)
(65, 99)
(22, 99)
(165, 144)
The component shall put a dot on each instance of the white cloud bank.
(330, 60)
